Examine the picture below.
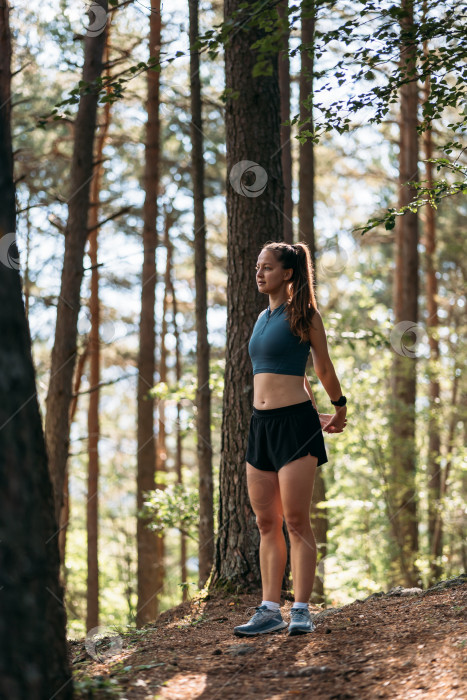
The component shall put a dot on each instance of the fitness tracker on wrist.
(340, 402)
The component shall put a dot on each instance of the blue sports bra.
(274, 348)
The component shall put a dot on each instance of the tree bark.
(402, 493)
(26, 275)
(33, 652)
(286, 132)
(7, 188)
(146, 461)
(319, 524)
(437, 536)
(306, 213)
(66, 508)
(253, 134)
(161, 458)
(57, 425)
(178, 452)
(434, 428)
(92, 503)
(203, 392)
(306, 202)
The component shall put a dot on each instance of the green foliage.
(186, 388)
(366, 47)
(430, 196)
(357, 46)
(174, 506)
(96, 687)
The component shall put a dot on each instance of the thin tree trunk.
(33, 651)
(26, 274)
(92, 503)
(463, 483)
(306, 202)
(7, 188)
(57, 426)
(403, 495)
(286, 132)
(286, 161)
(162, 436)
(319, 524)
(203, 393)
(65, 509)
(252, 133)
(437, 537)
(178, 452)
(434, 437)
(306, 212)
(146, 461)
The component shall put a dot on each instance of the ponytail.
(301, 304)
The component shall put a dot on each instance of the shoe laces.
(299, 612)
(260, 612)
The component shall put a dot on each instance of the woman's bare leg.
(296, 481)
(263, 491)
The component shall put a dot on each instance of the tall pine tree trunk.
(437, 536)
(178, 451)
(306, 202)
(33, 652)
(306, 211)
(57, 426)
(403, 497)
(252, 134)
(286, 149)
(92, 503)
(434, 428)
(203, 393)
(66, 507)
(161, 458)
(146, 459)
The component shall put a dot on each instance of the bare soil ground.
(392, 645)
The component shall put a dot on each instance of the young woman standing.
(285, 441)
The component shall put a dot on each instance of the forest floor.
(405, 643)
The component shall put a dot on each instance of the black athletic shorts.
(278, 436)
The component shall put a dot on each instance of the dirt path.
(388, 646)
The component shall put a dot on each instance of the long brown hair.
(301, 304)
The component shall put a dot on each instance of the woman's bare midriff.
(277, 390)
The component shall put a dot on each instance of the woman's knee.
(269, 523)
(298, 524)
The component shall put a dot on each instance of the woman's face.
(270, 275)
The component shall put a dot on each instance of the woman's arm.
(326, 374)
(322, 363)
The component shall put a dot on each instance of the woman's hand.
(334, 422)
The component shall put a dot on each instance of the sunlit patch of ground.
(182, 686)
